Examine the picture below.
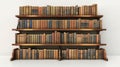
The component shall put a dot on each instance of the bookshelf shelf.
(78, 16)
(62, 25)
(59, 44)
(59, 29)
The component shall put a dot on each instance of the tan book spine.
(41, 21)
(39, 11)
(79, 22)
(81, 54)
(33, 53)
(18, 54)
(45, 24)
(27, 10)
(76, 54)
(82, 10)
(37, 24)
(90, 24)
(54, 54)
(44, 38)
(40, 24)
(69, 53)
(57, 56)
(97, 38)
(30, 10)
(17, 38)
(95, 9)
(79, 9)
(45, 55)
(96, 54)
(29, 53)
(20, 10)
(53, 37)
(74, 24)
(39, 53)
(72, 52)
(24, 53)
(100, 24)
(23, 10)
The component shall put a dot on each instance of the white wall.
(109, 8)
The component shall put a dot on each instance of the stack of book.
(59, 10)
(59, 24)
(54, 54)
(58, 38)
(83, 54)
(36, 53)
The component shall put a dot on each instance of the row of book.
(36, 54)
(58, 38)
(55, 54)
(58, 10)
(59, 24)
(83, 54)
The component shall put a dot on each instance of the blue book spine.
(21, 24)
(37, 54)
(50, 24)
(25, 23)
(67, 37)
(21, 54)
(30, 24)
(26, 54)
(94, 38)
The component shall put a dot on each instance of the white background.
(109, 8)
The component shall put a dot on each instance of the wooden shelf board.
(58, 59)
(72, 16)
(59, 44)
(58, 29)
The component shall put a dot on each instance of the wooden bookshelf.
(59, 44)
(90, 33)
(59, 29)
(39, 16)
